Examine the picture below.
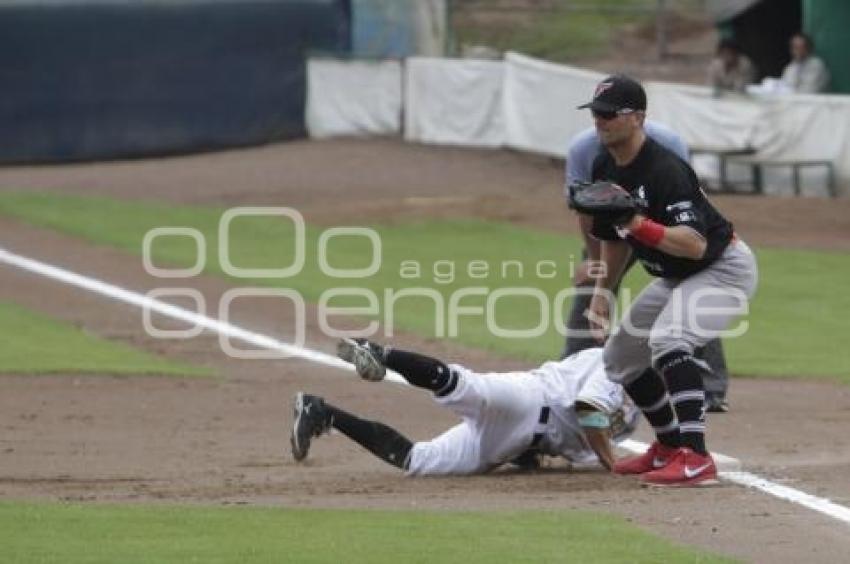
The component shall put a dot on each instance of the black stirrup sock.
(421, 371)
(381, 440)
(683, 375)
(650, 395)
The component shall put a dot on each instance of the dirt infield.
(224, 440)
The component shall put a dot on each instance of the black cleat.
(365, 356)
(309, 420)
(529, 460)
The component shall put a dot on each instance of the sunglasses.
(608, 116)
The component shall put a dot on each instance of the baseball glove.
(603, 200)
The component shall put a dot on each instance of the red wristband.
(648, 232)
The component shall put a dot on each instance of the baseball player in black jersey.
(583, 149)
(704, 274)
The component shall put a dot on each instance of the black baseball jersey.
(666, 190)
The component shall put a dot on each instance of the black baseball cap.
(617, 92)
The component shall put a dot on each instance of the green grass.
(554, 32)
(33, 343)
(796, 319)
(79, 533)
(267, 242)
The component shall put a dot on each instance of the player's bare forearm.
(591, 245)
(614, 255)
(679, 240)
(600, 441)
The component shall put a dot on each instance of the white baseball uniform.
(501, 413)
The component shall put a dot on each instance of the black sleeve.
(682, 200)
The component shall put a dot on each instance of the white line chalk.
(129, 297)
(814, 502)
(728, 466)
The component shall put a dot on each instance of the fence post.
(661, 29)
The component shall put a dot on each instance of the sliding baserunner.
(568, 408)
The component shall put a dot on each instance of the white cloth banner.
(782, 127)
(453, 102)
(700, 118)
(353, 97)
(540, 100)
(529, 104)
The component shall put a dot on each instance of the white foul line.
(120, 294)
(747, 479)
(814, 502)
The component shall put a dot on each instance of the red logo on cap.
(602, 87)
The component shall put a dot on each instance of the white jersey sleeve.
(578, 378)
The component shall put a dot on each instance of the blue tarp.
(383, 28)
(106, 80)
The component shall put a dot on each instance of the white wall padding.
(353, 97)
(540, 100)
(700, 118)
(454, 102)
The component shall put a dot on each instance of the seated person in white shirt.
(806, 73)
(730, 70)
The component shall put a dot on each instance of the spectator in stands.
(731, 70)
(806, 73)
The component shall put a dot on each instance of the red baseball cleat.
(686, 468)
(656, 457)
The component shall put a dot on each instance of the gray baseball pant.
(681, 315)
(716, 380)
